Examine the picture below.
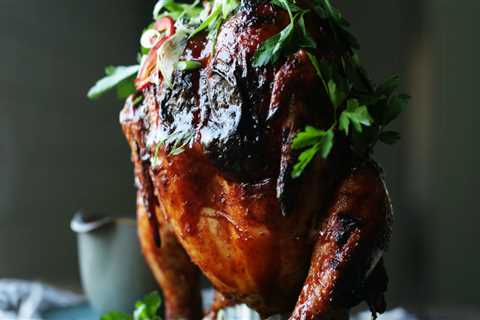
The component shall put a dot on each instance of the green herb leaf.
(148, 307)
(326, 144)
(334, 13)
(304, 39)
(115, 76)
(209, 21)
(320, 10)
(145, 309)
(304, 159)
(388, 86)
(170, 5)
(116, 316)
(188, 65)
(322, 69)
(287, 5)
(175, 141)
(228, 6)
(395, 106)
(126, 88)
(214, 33)
(336, 94)
(137, 100)
(284, 42)
(389, 137)
(307, 138)
(269, 51)
(219, 13)
(176, 10)
(356, 115)
(317, 141)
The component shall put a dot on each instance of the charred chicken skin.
(226, 204)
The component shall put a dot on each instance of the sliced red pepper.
(167, 25)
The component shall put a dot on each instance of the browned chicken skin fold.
(309, 247)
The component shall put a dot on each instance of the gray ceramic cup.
(113, 271)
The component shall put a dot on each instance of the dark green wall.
(58, 151)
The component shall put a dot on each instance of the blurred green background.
(60, 152)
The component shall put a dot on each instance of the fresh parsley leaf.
(170, 5)
(287, 5)
(326, 144)
(304, 39)
(344, 123)
(349, 38)
(137, 100)
(307, 138)
(320, 10)
(114, 77)
(389, 137)
(145, 309)
(126, 88)
(327, 11)
(176, 10)
(322, 68)
(357, 76)
(209, 21)
(304, 159)
(337, 95)
(214, 33)
(293, 37)
(188, 65)
(109, 70)
(335, 14)
(395, 106)
(176, 142)
(357, 115)
(228, 6)
(148, 307)
(316, 141)
(269, 51)
(116, 316)
(219, 13)
(388, 86)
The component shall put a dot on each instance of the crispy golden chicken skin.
(310, 247)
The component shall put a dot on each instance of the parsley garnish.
(190, 19)
(176, 10)
(293, 37)
(188, 65)
(315, 141)
(145, 309)
(356, 102)
(287, 5)
(389, 137)
(120, 78)
(356, 115)
(361, 111)
(175, 142)
(221, 10)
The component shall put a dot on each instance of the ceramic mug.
(113, 271)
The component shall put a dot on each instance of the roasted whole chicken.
(252, 158)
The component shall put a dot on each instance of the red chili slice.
(167, 25)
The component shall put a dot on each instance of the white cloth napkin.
(24, 300)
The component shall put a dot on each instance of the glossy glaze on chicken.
(227, 205)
